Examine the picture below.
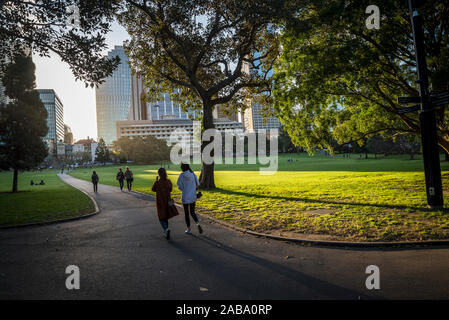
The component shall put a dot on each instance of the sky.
(78, 101)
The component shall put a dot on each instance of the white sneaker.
(188, 231)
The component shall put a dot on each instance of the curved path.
(121, 254)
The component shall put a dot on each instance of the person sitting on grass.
(32, 183)
(42, 182)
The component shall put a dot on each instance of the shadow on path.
(226, 270)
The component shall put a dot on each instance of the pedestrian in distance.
(188, 183)
(165, 205)
(120, 177)
(129, 178)
(95, 180)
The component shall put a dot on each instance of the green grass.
(370, 199)
(53, 201)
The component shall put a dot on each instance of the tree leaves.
(338, 80)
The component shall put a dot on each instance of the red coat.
(163, 189)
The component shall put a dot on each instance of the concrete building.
(113, 98)
(84, 146)
(252, 117)
(68, 135)
(55, 115)
(162, 129)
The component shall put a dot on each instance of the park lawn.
(317, 197)
(53, 201)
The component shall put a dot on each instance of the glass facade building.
(253, 119)
(113, 98)
(166, 109)
(55, 115)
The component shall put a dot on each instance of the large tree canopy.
(337, 79)
(23, 121)
(47, 26)
(197, 51)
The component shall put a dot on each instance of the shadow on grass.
(17, 192)
(321, 201)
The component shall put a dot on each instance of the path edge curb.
(43, 223)
(326, 243)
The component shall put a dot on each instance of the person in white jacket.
(188, 183)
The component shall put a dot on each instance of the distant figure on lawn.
(120, 177)
(95, 180)
(32, 183)
(188, 183)
(165, 205)
(42, 182)
(129, 178)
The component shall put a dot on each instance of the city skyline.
(79, 101)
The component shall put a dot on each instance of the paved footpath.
(122, 255)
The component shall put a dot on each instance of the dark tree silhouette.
(23, 121)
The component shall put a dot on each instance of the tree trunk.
(412, 155)
(14, 180)
(207, 170)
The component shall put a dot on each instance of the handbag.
(172, 211)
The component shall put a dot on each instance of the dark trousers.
(121, 184)
(129, 184)
(190, 208)
(164, 224)
(95, 186)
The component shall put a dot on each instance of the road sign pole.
(427, 120)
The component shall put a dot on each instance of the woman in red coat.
(163, 187)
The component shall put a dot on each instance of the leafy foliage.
(44, 26)
(102, 152)
(337, 79)
(142, 150)
(23, 121)
(198, 51)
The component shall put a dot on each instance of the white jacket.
(187, 183)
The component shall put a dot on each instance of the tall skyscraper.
(113, 98)
(254, 120)
(55, 115)
(252, 117)
(139, 108)
(167, 109)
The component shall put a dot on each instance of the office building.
(113, 97)
(68, 135)
(162, 129)
(55, 115)
(253, 119)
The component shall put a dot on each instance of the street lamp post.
(427, 120)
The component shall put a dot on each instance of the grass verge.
(53, 201)
(316, 197)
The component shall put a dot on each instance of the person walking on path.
(120, 177)
(188, 183)
(95, 180)
(165, 206)
(129, 178)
